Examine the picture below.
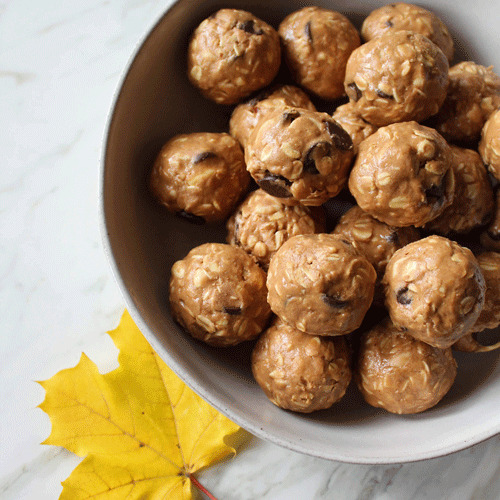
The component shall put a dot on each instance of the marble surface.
(60, 64)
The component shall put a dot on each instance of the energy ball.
(401, 374)
(397, 77)
(218, 294)
(301, 372)
(246, 115)
(320, 284)
(490, 239)
(317, 44)
(348, 117)
(473, 95)
(434, 290)
(374, 239)
(262, 223)
(473, 202)
(200, 176)
(408, 17)
(299, 155)
(489, 146)
(231, 54)
(402, 175)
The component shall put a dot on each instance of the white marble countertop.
(60, 63)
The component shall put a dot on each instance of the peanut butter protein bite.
(231, 54)
(301, 372)
(218, 294)
(320, 284)
(489, 146)
(200, 176)
(434, 290)
(401, 374)
(299, 155)
(397, 77)
(317, 43)
(402, 175)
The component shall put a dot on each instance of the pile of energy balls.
(417, 145)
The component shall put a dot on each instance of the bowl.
(154, 102)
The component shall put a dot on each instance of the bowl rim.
(171, 361)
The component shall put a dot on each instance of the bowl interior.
(155, 102)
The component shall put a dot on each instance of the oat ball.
(317, 44)
(231, 54)
(490, 239)
(374, 239)
(401, 374)
(402, 175)
(218, 294)
(397, 77)
(434, 289)
(473, 202)
(301, 372)
(348, 117)
(408, 17)
(473, 95)
(200, 176)
(489, 146)
(320, 284)
(245, 116)
(262, 223)
(299, 155)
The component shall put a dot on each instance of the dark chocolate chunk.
(233, 311)
(334, 302)
(194, 219)
(356, 89)
(393, 237)
(275, 185)
(249, 27)
(340, 137)
(383, 95)
(204, 156)
(389, 23)
(315, 153)
(289, 116)
(402, 296)
(307, 29)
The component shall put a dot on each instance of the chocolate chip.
(356, 89)
(307, 29)
(333, 301)
(233, 311)
(393, 238)
(435, 194)
(275, 185)
(249, 27)
(494, 236)
(383, 95)
(402, 297)
(314, 154)
(289, 116)
(204, 156)
(194, 219)
(389, 23)
(340, 137)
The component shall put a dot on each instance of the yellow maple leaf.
(143, 432)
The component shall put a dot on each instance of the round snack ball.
(490, 239)
(402, 175)
(320, 284)
(473, 95)
(434, 289)
(218, 294)
(348, 117)
(299, 155)
(408, 17)
(246, 115)
(231, 54)
(401, 374)
(262, 223)
(397, 77)
(301, 372)
(473, 202)
(317, 44)
(200, 176)
(489, 146)
(375, 240)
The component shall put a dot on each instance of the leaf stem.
(201, 487)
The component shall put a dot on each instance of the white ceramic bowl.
(156, 101)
